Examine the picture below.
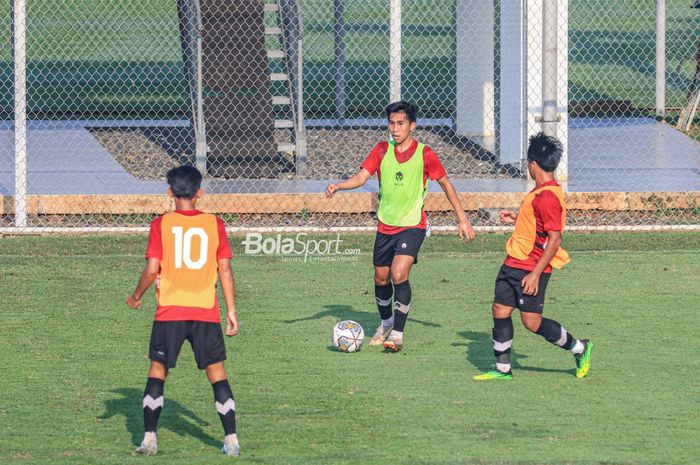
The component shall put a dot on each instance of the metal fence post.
(395, 50)
(19, 49)
(550, 116)
(300, 150)
(339, 52)
(660, 57)
(200, 128)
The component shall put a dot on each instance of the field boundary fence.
(275, 99)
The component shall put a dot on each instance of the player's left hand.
(231, 324)
(465, 230)
(133, 302)
(531, 283)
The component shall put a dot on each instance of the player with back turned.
(186, 250)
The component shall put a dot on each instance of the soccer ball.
(348, 336)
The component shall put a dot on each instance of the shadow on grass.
(480, 354)
(570, 371)
(346, 312)
(175, 417)
(480, 350)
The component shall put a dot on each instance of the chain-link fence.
(274, 100)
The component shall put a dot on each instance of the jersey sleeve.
(433, 167)
(224, 249)
(374, 159)
(548, 207)
(155, 240)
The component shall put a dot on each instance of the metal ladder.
(685, 120)
(286, 85)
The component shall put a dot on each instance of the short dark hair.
(545, 150)
(185, 181)
(410, 109)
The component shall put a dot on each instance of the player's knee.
(216, 372)
(501, 311)
(382, 275)
(381, 280)
(399, 275)
(531, 321)
(157, 370)
(531, 326)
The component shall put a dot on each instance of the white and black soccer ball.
(348, 336)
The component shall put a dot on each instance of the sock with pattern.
(152, 404)
(225, 405)
(502, 342)
(383, 295)
(402, 305)
(559, 336)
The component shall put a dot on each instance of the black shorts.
(407, 242)
(509, 290)
(206, 339)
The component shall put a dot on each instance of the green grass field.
(74, 364)
(123, 57)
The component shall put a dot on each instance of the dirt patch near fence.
(148, 152)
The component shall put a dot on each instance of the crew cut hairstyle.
(410, 109)
(185, 181)
(545, 150)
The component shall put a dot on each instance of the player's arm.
(531, 280)
(228, 287)
(148, 275)
(465, 228)
(359, 179)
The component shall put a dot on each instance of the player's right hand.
(507, 216)
(465, 230)
(133, 302)
(330, 190)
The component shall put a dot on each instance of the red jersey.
(432, 169)
(548, 217)
(188, 245)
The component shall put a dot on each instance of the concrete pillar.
(512, 103)
(475, 69)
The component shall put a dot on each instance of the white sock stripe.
(152, 403)
(578, 347)
(562, 338)
(226, 407)
(503, 367)
(501, 346)
(383, 302)
(387, 324)
(401, 307)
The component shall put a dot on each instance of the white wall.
(520, 103)
(512, 102)
(475, 55)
